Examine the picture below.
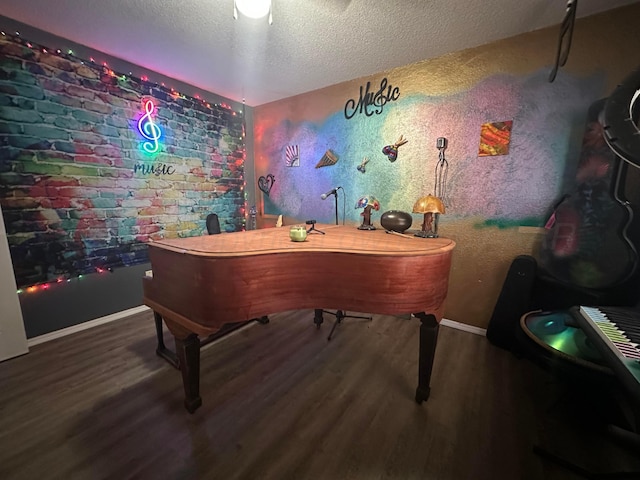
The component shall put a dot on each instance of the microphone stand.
(313, 227)
(340, 314)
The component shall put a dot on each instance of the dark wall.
(82, 299)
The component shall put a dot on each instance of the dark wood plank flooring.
(280, 402)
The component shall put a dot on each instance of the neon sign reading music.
(149, 129)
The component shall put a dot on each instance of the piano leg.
(161, 350)
(427, 351)
(317, 318)
(188, 351)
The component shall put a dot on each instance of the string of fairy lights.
(59, 281)
(91, 62)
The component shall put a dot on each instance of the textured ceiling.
(311, 43)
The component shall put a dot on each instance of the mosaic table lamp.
(431, 207)
(367, 202)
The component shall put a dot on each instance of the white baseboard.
(85, 325)
(464, 326)
(143, 308)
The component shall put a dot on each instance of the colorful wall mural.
(497, 203)
(95, 163)
(514, 187)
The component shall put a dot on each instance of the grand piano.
(200, 284)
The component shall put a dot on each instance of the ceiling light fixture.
(253, 9)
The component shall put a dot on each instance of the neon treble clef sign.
(149, 130)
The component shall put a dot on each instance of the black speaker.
(513, 302)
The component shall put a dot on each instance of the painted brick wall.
(77, 192)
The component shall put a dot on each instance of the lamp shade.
(431, 207)
(253, 8)
(428, 204)
(368, 201)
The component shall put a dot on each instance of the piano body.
(199, 284)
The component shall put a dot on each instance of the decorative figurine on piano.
(367, 202)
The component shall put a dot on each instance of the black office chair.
(213, 224)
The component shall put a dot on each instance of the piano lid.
(337, 238)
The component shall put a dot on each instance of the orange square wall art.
(495, 138)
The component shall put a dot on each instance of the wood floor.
(280, 402)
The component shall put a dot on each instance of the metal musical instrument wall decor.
(266, 183)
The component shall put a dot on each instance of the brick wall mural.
(79, 191)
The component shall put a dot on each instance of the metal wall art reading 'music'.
(371, 102)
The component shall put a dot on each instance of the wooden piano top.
(337, 238)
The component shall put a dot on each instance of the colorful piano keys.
(622, 329)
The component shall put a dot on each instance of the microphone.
(333, 191)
